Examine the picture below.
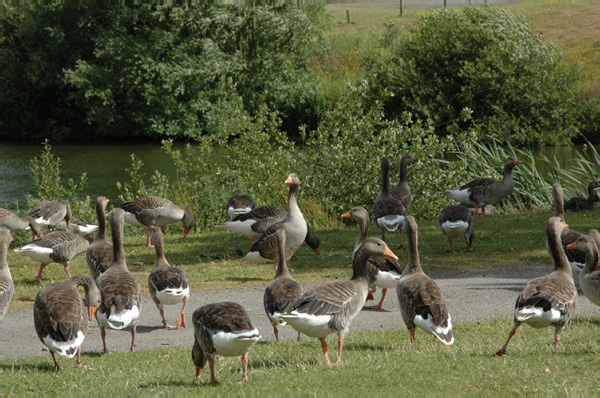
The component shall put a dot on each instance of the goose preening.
(100, 252)
(576, 257)
(456, 221)
(239, 204)
(15, 223)
(77, 226)
(7, 287)
(402, 192)
(581, 204)
(121, 295)
(485, 191)
(48, 214)
(421, 302)
(61, 317)
(388, 212)
(548, 300)
(589, 277)
(330, 307)
(55, 247)
(383, 273)
(152, 210)
(167, 285)
(283, 291)
(222, 329)
(593, 187)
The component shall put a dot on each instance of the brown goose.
(281, 294)
(99, 254)
(421, 302)
(382, 273)
(121, 295)
(485, 191)
(55, 247)
(294, 225)
(61, 318)
(239, 204)
(152, 210)
(330, 307)
(388, 212)
(167, 285)
(77, 226)
(222, 329)
(15, 223)
(402, 192)
(589, 277)
(576, 257)
(456, 221)
(7, 287)
(548, 300)
(48, 214)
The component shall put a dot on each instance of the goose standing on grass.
(383, 273)
(576, 257)
(284, 291)
(14, 223)
(401, 191)
(239, 204)
(167, 285)
(100, 253)
(222, 329)
(421, 302)
(7, 287)
(388, 212)
(61, 318)
(152, 210)
(49, 214)
(55, 247)
(581, 204)
(121, 295)
(456, 221)
(548, 300)
(485, 191)
(330, 307)
(589, 277)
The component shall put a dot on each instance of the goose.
(421, 302)
(294, 225)
(55, 247)
(401, 191)
(576, 257)
(382, 273)
(548, 300)
(167, 285)
(61, 318)
(456, 221)
(388, 212)
(485, 191)
(121, 295)
(589, 278)
(330, 307)
(77, 226)
(239, 204)
(7, 287)
(48, 214)
(15, 223)
(99, 253)
(593, 187)
(581, 204)
(283, 291)
(152, 210)
(222, 329)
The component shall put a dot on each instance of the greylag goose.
(77, 226)
(456, 221)
(330, 307)
(55, 247)
(61, 318)
(294, 225)
(121, 295)
(388, 212)
(593, 187)
(239, 204)
(15, 223)
(7, 287)
(589, 277)
(283, 291)
(576, 257)
(222, 329)
(581, 204)
(485, 191)
(167, 285)
(48, 214)
(421, 302)
(152, 210)
(99, 254)
(401, 191)
(548, 300)
(382, 273)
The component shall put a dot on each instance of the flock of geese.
(113, 295)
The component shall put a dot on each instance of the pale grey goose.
(15, 223)
(7, 287)
(421, 301)
(330, 307)
(48, 214)
(589, 277)
(121, 295)
(239, 204)
(456, 221)
(222, 329)
(61, 318)
(485, 191)
(548, 300)
(402, 191)
(388, 212)
(100, 253)
(167, 285)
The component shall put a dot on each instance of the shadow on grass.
(49, 367)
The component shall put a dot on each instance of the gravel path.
(471, 295)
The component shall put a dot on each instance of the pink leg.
(78, 364)
(148, 239)
(39, 275)
(434, 342)
(132, 339)
(475, 213)
(556, 341)
(401, 245)
(468, 249)
(67, 271)
(211, 364)
(245, 367)
(378, 306)
(181, 318)
(451, 247)
(483, 212)
(276, 332)
(299, 336)
(103, 334)
(54, 359)
(340, 345)
(164, 321)
(502, 351)
(412, 338)
(324, 347)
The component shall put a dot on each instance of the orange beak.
(318, 251)
(389, 254)
(186, 231)
(346, 215)
(517, 161)
(198, 371)
(565, 225)
(92, 312)
(289, 180)
(413, 158)
(572, 245)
